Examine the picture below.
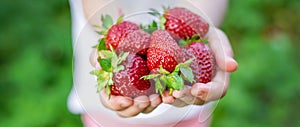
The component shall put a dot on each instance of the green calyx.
(107, 23)
(195, 38)
(150, 28)
(110, 63)
(172, 80)
(162, 20)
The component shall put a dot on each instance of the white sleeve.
(78, 22)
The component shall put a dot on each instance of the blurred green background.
(36, 64)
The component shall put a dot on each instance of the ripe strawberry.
(119, 32)
(203, 66)
(136, 42)
(181, 23)
(165, 61)
(128, 82)
(114, 33)
(164, 51)
(185, 24)
(121, 74)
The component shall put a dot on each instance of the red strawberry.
(157, 57)
(128, 82)
(164, 51)
(181, 23)
(122, 74)
(119, 32)
(166, 62)
(136, 42)
(203, 66)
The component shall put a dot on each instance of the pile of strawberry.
(140, 60)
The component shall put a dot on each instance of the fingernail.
(231, 65)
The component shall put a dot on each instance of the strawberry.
(164, 51)
(119, 32)
(182, 23)
(203, 66)
(114, 33)
(157, 57)
(121, 74)
(128, 82)
(164, 59)
(136, 42)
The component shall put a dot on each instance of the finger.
(170, 99)
(116, 103)
(167, 98)
(155, 100)
(140, 104)
(179, 103)
(220, 45)
(213, 90)
(186, 96)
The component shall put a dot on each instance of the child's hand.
(126, 106)
(200, 93)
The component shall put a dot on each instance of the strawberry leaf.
(165, 8)
(204, 40)
(159, 87)
(185, 64)
(107, 21)
(154, 12)
(107, 53)
(95, 72)
(101, 85)
(150, 28)
(110, 81)
(100, 32)
(114, 58)
(120, 19)
(97, 26)
(95, 46)
(182, 42)
(162, 22)
(174, 81)
(101, 45)
(195, 37)
(106, 64)
(187, 74)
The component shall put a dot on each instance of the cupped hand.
(126, 106)
(200, 93)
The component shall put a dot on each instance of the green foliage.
(35, 64)
(265, 89)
